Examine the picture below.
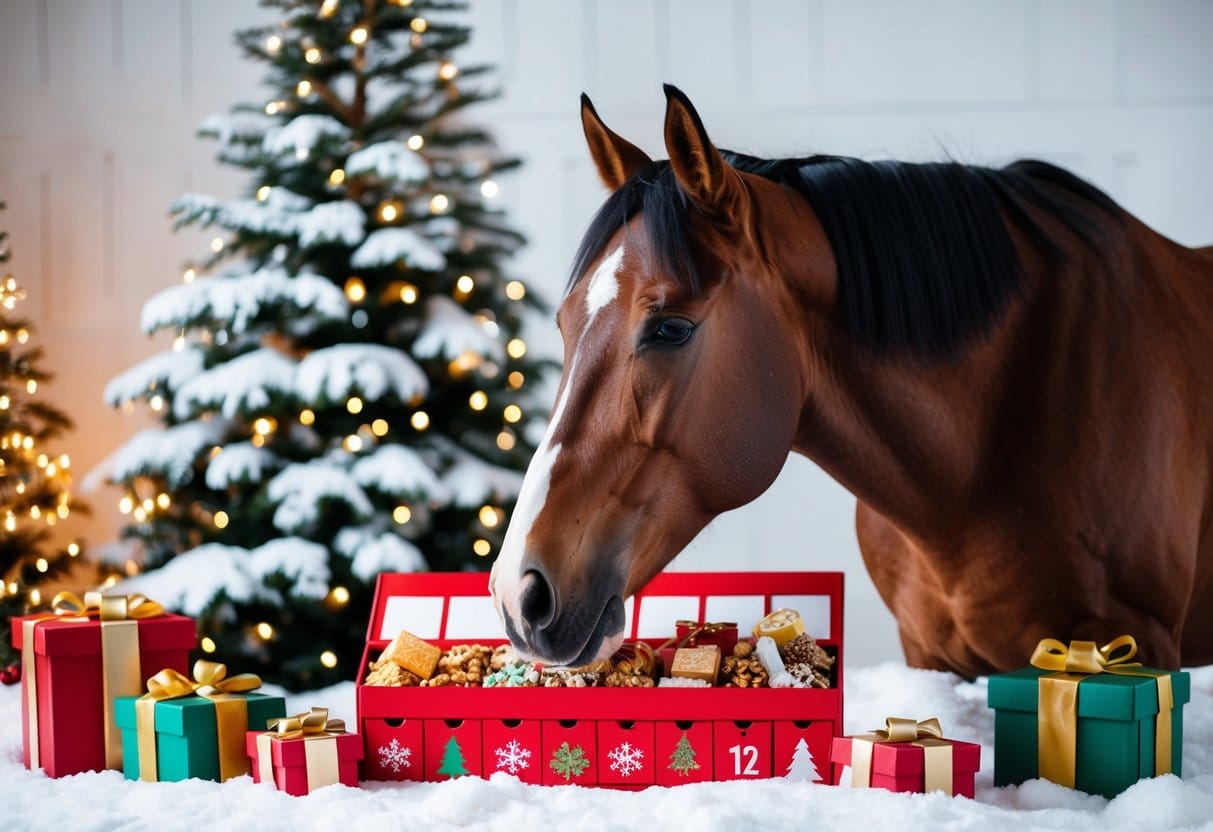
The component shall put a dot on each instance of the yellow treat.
(780, 626)
(413, 654)
(696, 663)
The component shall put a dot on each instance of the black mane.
(925, 258)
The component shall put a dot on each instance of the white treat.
(768, 653)
(680, 682)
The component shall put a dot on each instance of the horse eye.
(672, 331)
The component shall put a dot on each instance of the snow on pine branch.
(164, 370)
(245, 383)
(277, 214)
(372, 552)
(192, 580)
(167, 452)
(332, 222)
(235, 127)
(450, 332)
(333, 373)
(235, 301)
(303, 134)
(390, 161)
(390, 245)
(299, 490)
(400, 472)
(473, 482)
(239, 462)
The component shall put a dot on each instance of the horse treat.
(781, 626)
(697, 663)
(413, 654)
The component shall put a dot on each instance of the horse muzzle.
(542, 628)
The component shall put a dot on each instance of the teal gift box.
(187, 739)
(1116, 720)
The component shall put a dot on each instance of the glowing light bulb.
(447, 70)
(73, 549)
(340, 595)
(303, 89)
(329, 659)
(489, 516)
(35, 597)
(63, 511)
(189, 276)
(355, 289)
(512, 413)
(207, 644)
(22, 336)
(352, 443)
(217, 244)
(358, 35)
(415, 142)
(478, 400)
(337, 176)
(439, 203)
(402, 514)
(264, 425)
(221, 520)
(139, 514)
(516, 348)
(312, 55)
(271, 108)
(515, 290)
(489, 189)
(125, 505)
(515, 380)
(482, 547)
(388, 212)
(163, 500)
(408, 293)
(506, 440)
(263, 193)
(328, 8)
(4, 402)
(35, 512)
(307, 416)
(265, 630)
(465, 284)
(420, 420)
(273, 44)
(353, 404)
(379, 427)
(31, 386)
(41, 564)
(418, 25)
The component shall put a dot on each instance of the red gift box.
(297, 761)
(70, 681)
(697, 634)
(901, 766)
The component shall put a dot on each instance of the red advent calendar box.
(619, 737)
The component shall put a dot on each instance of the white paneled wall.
(99, 100)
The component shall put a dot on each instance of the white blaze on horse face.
(603, 288)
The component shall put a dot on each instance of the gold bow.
(231, 713)
(119, 658)
(695, 630)
(1057, 701)
(320, 751)
(927, 734)
(106, 607)
(313, 723)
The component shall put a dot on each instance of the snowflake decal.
(626, 759)
(513, 757)
(394, 756)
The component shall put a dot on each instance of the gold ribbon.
(119, 658)
(231, 713)
(320, 758)
(928, 735)
(1057, 701)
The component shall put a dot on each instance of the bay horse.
(1011, 373)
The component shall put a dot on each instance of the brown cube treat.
(696, 663)
(413, 654)
(390, 674)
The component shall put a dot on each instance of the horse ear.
(700, 169)
(616, 158)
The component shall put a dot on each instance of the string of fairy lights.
(25, 470)
(145, 499)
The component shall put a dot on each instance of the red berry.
(10, 675)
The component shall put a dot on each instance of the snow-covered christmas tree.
(35, 483)
(348, 391)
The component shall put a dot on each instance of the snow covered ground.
(104, 801)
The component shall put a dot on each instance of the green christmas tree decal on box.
(569, 761)
(452, 760)
(683, 758)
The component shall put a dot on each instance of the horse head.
(684, 380)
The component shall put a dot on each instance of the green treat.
(187, 739)
(1115, 731)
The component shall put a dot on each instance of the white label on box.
(745, 610)
(814, 612)
(629, 609)
(473, 618)
(421, 615)
(659, 612)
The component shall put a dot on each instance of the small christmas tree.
(453, 764)
(683, 758)
(34, 483)
(569, 761)
(347, 393)
(802, 766)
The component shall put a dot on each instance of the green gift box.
(187, 734)
(1116, 723)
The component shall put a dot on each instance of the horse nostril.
(538, 604)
